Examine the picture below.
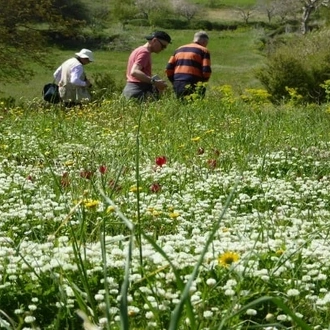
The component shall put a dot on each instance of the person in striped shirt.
(190, 66)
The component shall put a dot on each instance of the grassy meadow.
(206, 215)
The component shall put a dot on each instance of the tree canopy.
(24, 25)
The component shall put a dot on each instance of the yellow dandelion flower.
(227, 258)
(111, 209)
(90, 203)
(174, 215)
(195, 139)
(279, 252)
(156, 213)
(134, 189)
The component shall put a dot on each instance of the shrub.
(201, 25)
(7, 102)
(173, 23)
(224, 26)
(139, 22)
(104, 86)
(302, 64)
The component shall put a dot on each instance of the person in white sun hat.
(72, 81)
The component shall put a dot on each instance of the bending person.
(189, 65)
(72, 81)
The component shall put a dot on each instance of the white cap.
(86, 53)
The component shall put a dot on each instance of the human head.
(158, 41)
(86, 56)
(201, 38)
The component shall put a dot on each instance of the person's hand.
(161, 85)
(88, 83)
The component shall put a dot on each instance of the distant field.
(233, 54)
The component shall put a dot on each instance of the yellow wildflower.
(156, 213)
(227, 258)
(111, 209)
(69, 163)
(134, 189)
(90, 203)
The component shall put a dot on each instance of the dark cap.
(159, 35)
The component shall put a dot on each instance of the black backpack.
(51, 94)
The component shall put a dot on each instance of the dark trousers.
(183, 89)
(140, 91)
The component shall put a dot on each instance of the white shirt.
(75, 75)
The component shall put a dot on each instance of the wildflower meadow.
(209, 214)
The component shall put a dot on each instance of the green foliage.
(201, 25)
(301, 63)
(72, 10)
(22, 35)
(239, 214)
(104, 86)
(123, 11)
(173, 23)
(139, 22)
(7, 102)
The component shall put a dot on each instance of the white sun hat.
(86, 53)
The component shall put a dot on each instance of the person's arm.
(137, 73)
(206, 66)
(57, 74)
(170, 68)
(76, 73)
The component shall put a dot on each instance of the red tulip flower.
(161, 160)
(65, 182)
(212, 163)
(86, 174)
(200, 151)
(155, 187)
(102, 169)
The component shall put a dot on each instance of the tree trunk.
(307, 10)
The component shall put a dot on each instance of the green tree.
(24, 28)
(123, 11)
(153, 10)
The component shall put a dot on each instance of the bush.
(302, 64)
(139, 22)
(201, 25)
(7, 102)
(173, 23)
(104, 86)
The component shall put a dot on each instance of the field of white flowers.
(210, 215)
